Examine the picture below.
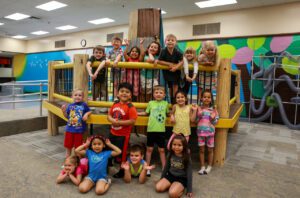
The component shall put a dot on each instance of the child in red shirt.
(122, 116)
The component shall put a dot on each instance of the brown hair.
(159, 87)
(171, 36)
(191, 51)
(116, 38)
(99, 48)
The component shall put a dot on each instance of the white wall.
(12, 45)
(5, 72)
(279, 19)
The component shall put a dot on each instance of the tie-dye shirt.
(207, 118)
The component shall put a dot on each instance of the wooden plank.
(133, 25)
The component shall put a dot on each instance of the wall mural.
(239, 50)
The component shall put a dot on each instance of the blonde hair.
(75, 90)
(73, 160)
(191, 51)
(208, 44)
(171, 36)
(159, 87)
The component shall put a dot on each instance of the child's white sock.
(148, 173)
(201, 171)
(208, 169)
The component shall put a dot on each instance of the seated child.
(74, 170)
(135, 166)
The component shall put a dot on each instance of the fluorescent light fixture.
(214, 3)
(39, 32)
(17, 16)
(52, 5)
(163, 12)
(1, 23)
(19, 36)
(101, 21)
(66, 27)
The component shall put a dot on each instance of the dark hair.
(183, 93)
(100, 137)
(138, 148)
(126, 86)
(157, 43)
(185, 151)
(99, 48)
(116, 38)
(137, 49)
(211, 95)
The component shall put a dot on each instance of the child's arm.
(143, 174)
(89, 69)
(127, 173)
(101, 65)
(76, 180)
(143, 113)
(118, 58)
(81, 150)
(64, 110)
(177, 66)
(61, 177)
(193, 112)
(214, 117)
(125, 122)
(142, 50)
(126, 49)
(115, 150)
(189, 179)
(172, 114)
(86, 115)
(196, 68)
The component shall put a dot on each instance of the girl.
(177, 173)
(180, 117)
(187, 77)
(206, 117)
(149, 78)
(208, 54)
(74, 169)
(135, 166)
(97, 158)
(132, 76)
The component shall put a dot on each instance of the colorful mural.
(239, 50)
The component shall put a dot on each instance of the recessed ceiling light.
(17, 16)
(66, 27)
(163, 12)
(1, 23)
(52, 5)
(39, 32)
(214, 3)
(19, 36)
(101, 21)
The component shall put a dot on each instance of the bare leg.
(68, 152)
(162, 185)
(162, 156)
(176, 190)
(148, 154)
(210, 155)
(85, 186)
(202, 151)
(101, 187)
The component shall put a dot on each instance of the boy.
(172, 58)
(157, 110)
(115, 55)
(122, 116)
(98, 75)
(76, 113)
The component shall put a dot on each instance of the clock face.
(83, 43)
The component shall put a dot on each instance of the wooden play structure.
(59, 89)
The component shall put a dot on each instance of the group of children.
(177, 76)
(88, 167)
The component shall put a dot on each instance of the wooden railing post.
(237, 95)
(223, 97)
(80, 74)
(52, 118)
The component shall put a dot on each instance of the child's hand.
(85, 117)
(189, 195)
(126, 42)
(64, 107)
(194, 107)
(146, 167)
(189, 79)
(172, 119)
(87, 142)
(115, 123)
(155, 63)
(94, 76)
(125, 165)
(173, 68)
(107, 142)
(142, 40)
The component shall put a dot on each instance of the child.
(76, 113)
(187, 77)
(98, 75)
(177, 174)
(122, 116)
(208, 57)
(135, 166)
(157, 110)
(149, 78)
(207, 117)
(132, 76)
(115, 55)
(180, 117)
(74, 169)
(97, 158)
(172, 58)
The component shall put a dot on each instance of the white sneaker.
(208, 169)
(108, 180)
(202, 170)
(148, 173)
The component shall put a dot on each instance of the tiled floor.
(262, 161)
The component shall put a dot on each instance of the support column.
(237, 96)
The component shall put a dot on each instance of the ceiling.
(78, 12)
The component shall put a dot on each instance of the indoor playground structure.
(64, 77)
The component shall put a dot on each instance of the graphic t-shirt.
(157, 111)
(98, 163)
(75, 112)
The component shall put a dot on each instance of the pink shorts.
(209, 141)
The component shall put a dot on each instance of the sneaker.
(119, 174)
(207, 170)
(108, 180)
(202, 171)
(148, 173)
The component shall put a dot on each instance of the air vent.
(59, 44)
(110, 36)
(209, 28)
